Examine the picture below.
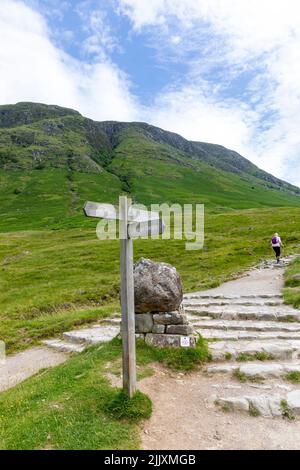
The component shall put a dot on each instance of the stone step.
(110, 321)
(259, 349)
(233, 302)
(236, 335)
(269, 406)
(256, 370)
(63, 346)
(93, 335)
(247, 325)
(199, 295)
(280, 313)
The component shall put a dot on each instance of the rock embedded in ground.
(293, 401)
(234, 404)
(259, 405)
(158, 287)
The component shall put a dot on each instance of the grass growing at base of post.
(180, 359)
(133, 409)
(292, 284)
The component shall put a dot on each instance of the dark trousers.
(277, 251)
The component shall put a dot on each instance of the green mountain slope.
(52, 159)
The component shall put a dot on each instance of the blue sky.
(221, 71)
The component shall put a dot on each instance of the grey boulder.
(157, 287)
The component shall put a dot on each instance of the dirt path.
(185, 418)
(256, 281)
(185, 415)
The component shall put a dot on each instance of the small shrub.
(240, 376)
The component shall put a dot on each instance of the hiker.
(276, 245)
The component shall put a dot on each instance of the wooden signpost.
(133, 223)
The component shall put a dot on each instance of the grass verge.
(73, 406)
(52, 280)
(292, 284)
(67, 408)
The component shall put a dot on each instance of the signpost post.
(133, 223)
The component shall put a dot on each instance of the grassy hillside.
(52, 160)
(56, 274)
(54, 279)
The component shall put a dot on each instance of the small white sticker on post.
(185, 341)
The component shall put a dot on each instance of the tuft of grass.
(258, 356)
(243, 378)
(287, 319)
(253, 411)
(228, 356)
(226, 408)
(240, 376)
(286, 410)
(293, 376)
(181, 359)
(134, 409)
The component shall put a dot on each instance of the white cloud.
(33, 69)
(100, 39)
(260, 36)
(190, 112)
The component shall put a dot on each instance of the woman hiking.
(276, 244)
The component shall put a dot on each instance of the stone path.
(254, 338)
(20, 366)
(79, 340)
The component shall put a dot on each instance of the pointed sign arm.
(108, 211)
